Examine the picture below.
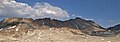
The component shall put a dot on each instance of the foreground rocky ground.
(54, 35)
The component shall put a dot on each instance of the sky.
(104, 12)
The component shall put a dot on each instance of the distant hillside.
(86, 26)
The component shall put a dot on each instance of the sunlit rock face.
(10, 20)
(18, 23)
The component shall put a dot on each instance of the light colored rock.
(17, 29)
(108, 41)
(102, 39)
(50, 28)
(87, 37)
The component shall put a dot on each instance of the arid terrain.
(47, 30)
(59, 20)
(56, 35)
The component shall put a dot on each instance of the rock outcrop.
(10, 26)
(11, 20)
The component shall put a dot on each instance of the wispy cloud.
(11, 8)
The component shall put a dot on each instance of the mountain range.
(85, 26)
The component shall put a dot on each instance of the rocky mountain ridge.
(115, 29)
(85, 26)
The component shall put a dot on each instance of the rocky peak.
(10, 20)
(85, 26)
(77, 23)
(29, 30)
(115, 28)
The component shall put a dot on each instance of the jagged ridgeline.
(25, 24)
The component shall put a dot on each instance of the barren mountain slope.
(29, 30)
